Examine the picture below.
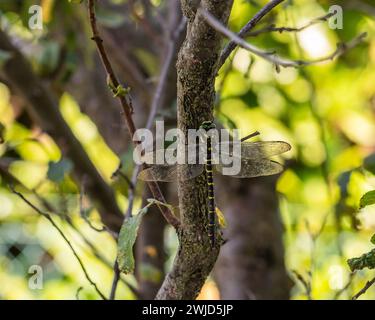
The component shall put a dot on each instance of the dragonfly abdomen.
(211, 196)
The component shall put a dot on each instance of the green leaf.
(4, 57)
(120, 91)
(373, 239)
(250, 98)
(57, 170)
(126, 240)
(367, 199)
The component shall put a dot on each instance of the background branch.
(272, 57)
(247, 28)
(196, 73)
(273, 28)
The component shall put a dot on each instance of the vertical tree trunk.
(251, 263)
(196, 72)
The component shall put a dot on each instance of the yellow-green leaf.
(367, 199)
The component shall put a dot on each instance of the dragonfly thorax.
(207, 125)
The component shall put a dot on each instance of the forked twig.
(247, 28)
(271, 56)
(364, 289)
(273, 28)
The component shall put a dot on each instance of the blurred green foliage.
(327, 113)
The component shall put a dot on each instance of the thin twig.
(348, 284)
(116, 278)
(247, 28)
(305, 283)
(119, 173)
(126, 107)
(251, 135)
(364, 289)
(271, 56)
(48, 217)
(78, 292)
(273, 28)
(83, 214)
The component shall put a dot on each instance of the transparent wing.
(251, 168)
(256, 150)
(168, 173)
(189, 154)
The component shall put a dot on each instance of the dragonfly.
(252, 157)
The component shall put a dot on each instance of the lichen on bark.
(196, 72)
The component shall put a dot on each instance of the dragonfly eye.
(207, 125)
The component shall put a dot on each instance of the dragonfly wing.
(183, 154)
(168, 173)
(256, 150)
(254, 168)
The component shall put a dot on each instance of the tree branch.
(126, 107)
(247, 28)
(273, 28)
(364, 289)
(278, 61)
(196, 73)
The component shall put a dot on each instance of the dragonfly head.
(207, 125)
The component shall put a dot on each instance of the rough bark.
(251, 263)
(44, 110)
(196, 72)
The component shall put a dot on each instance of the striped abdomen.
(211, 197)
